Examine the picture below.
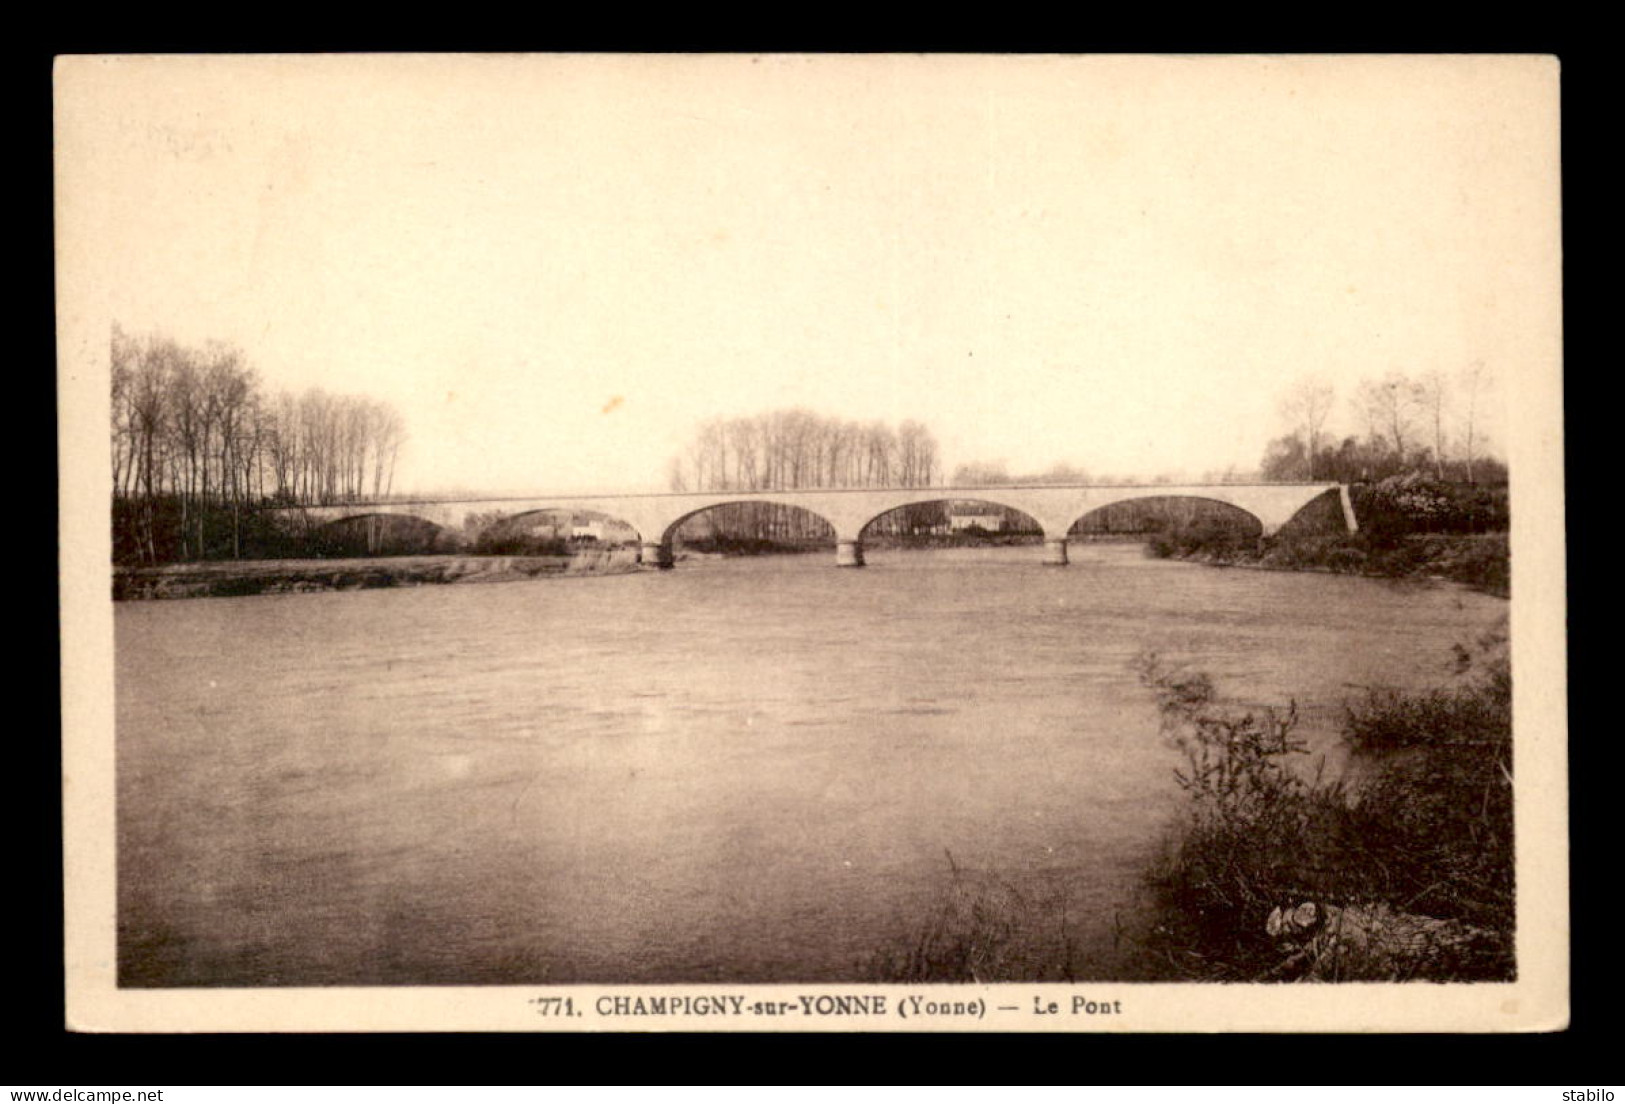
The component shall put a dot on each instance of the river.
(740, 770)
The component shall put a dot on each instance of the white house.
(990, 518)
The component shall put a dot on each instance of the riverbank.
(239, 578)
(1478, 560)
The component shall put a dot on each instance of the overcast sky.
(556, 267)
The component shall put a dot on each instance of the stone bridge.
(1056, 508)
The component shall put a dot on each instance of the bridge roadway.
(849, 511)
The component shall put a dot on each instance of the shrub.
(1252, 832)
(1346, 553)
(1403, 505)
(1208, 538)
(1475, 713)
(500, 543)
(1481, 562)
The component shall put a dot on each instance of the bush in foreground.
(1408, 875)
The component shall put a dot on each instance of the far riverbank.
(239, 578)
(1479, 560)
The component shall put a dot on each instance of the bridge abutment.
(1348, 508)
(848, 553)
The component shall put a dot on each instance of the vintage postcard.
(812, 543)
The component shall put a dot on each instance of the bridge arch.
(1227, 509)
(384, 533)
(790, 523)
(721, 503)
(1028, 521)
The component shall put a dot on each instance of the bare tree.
(1475, 381)
(125, 355)
(1305, 407)
(1432, 393)
(1389, 404)
(795, 449)
(391, 435)
(195, 440)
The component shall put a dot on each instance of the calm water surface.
(743, 770)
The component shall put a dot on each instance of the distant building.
(606, 530)
(549, 528)
(561, 525)
(975, 516)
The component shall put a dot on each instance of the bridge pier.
(656, 554)
(848, 553)
(1055, 551)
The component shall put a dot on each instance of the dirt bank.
(245, 577)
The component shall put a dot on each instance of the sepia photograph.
(812, 542)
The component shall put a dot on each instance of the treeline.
(796, 450)
(1429, 424)
(1430, 499)
(197, 444)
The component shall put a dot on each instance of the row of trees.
(796, 449)
(196, 443)
(1430, 423)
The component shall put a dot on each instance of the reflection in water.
(745, 770)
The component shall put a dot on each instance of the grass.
(981, 930)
